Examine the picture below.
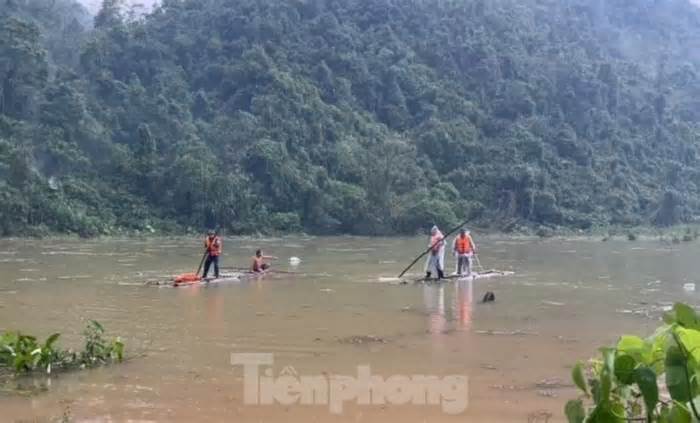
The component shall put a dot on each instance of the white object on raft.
(294, 261)
(689, 286)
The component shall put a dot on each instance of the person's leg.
(207, 264)
(215, 260)
(468, 263)
(460, 265)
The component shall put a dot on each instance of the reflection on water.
(566, 299)
(453, 312)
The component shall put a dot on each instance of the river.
(340, 310)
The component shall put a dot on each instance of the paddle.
(478, 262)
(432, 246)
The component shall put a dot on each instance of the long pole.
(432, 246)
(206, 252)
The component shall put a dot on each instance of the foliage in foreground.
(22, 353)
(646, 380)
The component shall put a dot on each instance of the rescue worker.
(464, 248)
(436, 258)
(214, 246)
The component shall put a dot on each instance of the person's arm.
(270, 258)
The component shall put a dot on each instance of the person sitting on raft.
(213, 245)
(436, 258)
(464, 248)
(259, 264)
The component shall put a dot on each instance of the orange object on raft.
(186, 278)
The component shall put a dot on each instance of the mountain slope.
(370, 116)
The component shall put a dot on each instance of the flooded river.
(339, 311)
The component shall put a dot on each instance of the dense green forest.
(348, 116)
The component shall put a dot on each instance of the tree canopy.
(348, 116)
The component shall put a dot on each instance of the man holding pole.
(436, 257)
(464, 249)
(213, 245)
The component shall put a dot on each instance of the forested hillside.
(348, 116)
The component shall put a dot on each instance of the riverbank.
(673, 234)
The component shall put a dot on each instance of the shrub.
(627, 382)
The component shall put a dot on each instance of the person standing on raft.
(464, 248)
(213, 245)
(259, 265)
(436, 258)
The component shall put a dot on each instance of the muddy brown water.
(341, 311)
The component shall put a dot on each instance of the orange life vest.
(464, 244)
(213, 246)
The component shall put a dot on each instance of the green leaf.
(606, 413)
(676, 375)
(679, 414)
(636, 347)
(646, 380)
(686, 316)
(51, 340)
(97, 326)
(574, 411)
(691, 341)
(578, 377)
(624, 368)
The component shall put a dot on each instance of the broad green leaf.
(579, 378)
(606, 413)
(646, 380)
(575, 413)
(659, 345)
(624, 368)
(636, 347)
(676, 381)
(691, 342)
(686, 316)
(670, 317)
(679, 414)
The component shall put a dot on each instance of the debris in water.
(547, 393)
(384, 279)
(363, 339)
(553, 383)
(509, 387)
(294, 261)
(326, 290)
(553, 303)
(540, 416)
(689, 287)
(506, 333)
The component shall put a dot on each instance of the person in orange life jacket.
(213, 245)
(464, 248)
(259, 265)
(436, 258)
